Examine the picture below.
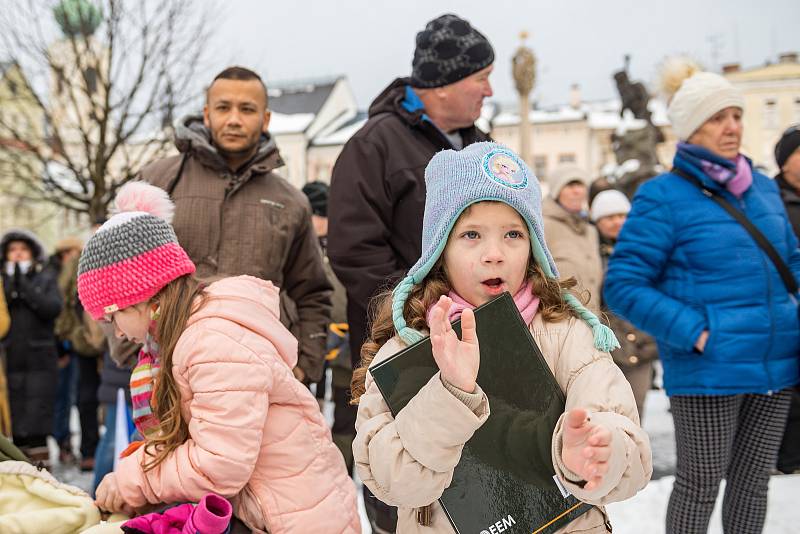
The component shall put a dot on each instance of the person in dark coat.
(34, 302)
(338, 346)
(787, 156)
(377, 195)
(66, 251)
(377, 187)
(112, 378)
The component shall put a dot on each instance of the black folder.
(505, 480)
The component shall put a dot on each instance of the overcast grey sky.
(575, 41)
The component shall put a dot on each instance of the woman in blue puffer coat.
(728, 331)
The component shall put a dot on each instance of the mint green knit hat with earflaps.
(457, 179)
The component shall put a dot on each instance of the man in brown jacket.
(235, 215)
(378, 186)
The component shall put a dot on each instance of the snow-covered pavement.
(645, 512)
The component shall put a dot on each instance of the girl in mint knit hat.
(482, 235)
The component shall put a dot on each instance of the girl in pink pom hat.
(213, 391)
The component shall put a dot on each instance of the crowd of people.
(217, 296)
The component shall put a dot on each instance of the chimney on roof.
(731, 67)
(575, 96)
(788, 57)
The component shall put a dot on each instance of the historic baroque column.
(524, 70)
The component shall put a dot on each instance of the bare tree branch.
(104, 92)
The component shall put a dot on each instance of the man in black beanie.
(787, 156)
(377, 195)
(377, 192)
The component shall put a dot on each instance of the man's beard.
(246, 152)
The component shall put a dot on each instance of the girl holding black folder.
(482, 235)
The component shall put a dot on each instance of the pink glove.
(212, 515)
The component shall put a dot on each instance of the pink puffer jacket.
(256, 433)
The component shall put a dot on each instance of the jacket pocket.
(713, 331)
(264, 235)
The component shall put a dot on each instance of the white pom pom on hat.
(695, 96)
(135, 199)
(673, 72)
(144, 197)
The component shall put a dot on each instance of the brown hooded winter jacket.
(249, 222)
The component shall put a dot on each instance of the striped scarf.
(143, 378)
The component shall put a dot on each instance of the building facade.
(772, 104)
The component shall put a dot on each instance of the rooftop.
(300, 96)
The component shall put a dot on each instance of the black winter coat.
(31, 356)
(377, 200)
(791, 201)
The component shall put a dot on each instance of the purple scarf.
(736, 176)
(527, 304)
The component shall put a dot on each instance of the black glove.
(16, 289)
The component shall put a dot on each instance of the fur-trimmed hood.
(21, 234)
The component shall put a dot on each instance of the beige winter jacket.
(408, 461)
(574, 244)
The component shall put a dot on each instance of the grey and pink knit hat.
(456, 179)
(133, 255)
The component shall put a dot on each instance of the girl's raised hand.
(585, 447)
(458, 360)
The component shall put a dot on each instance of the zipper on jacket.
(765, 359)
(606, 520)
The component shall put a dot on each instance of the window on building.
(796, 111)
(568, 157)
(770, 114)
(540, 166)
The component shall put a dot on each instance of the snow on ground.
(642, 514)
(645, 512)
(658, 425)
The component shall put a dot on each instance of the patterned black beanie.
(449, 50)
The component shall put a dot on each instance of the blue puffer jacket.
(683, 265)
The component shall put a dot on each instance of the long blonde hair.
(552, 307)
(177, 301)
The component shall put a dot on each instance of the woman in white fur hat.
(726, 320)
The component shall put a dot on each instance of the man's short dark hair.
(240, 73)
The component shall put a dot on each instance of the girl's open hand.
(586, 447)
(458, 360)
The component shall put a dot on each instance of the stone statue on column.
(524, 71)
(636, 139)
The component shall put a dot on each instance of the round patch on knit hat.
(503, 167)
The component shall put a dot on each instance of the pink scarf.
(527, 304)
(737, 183)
